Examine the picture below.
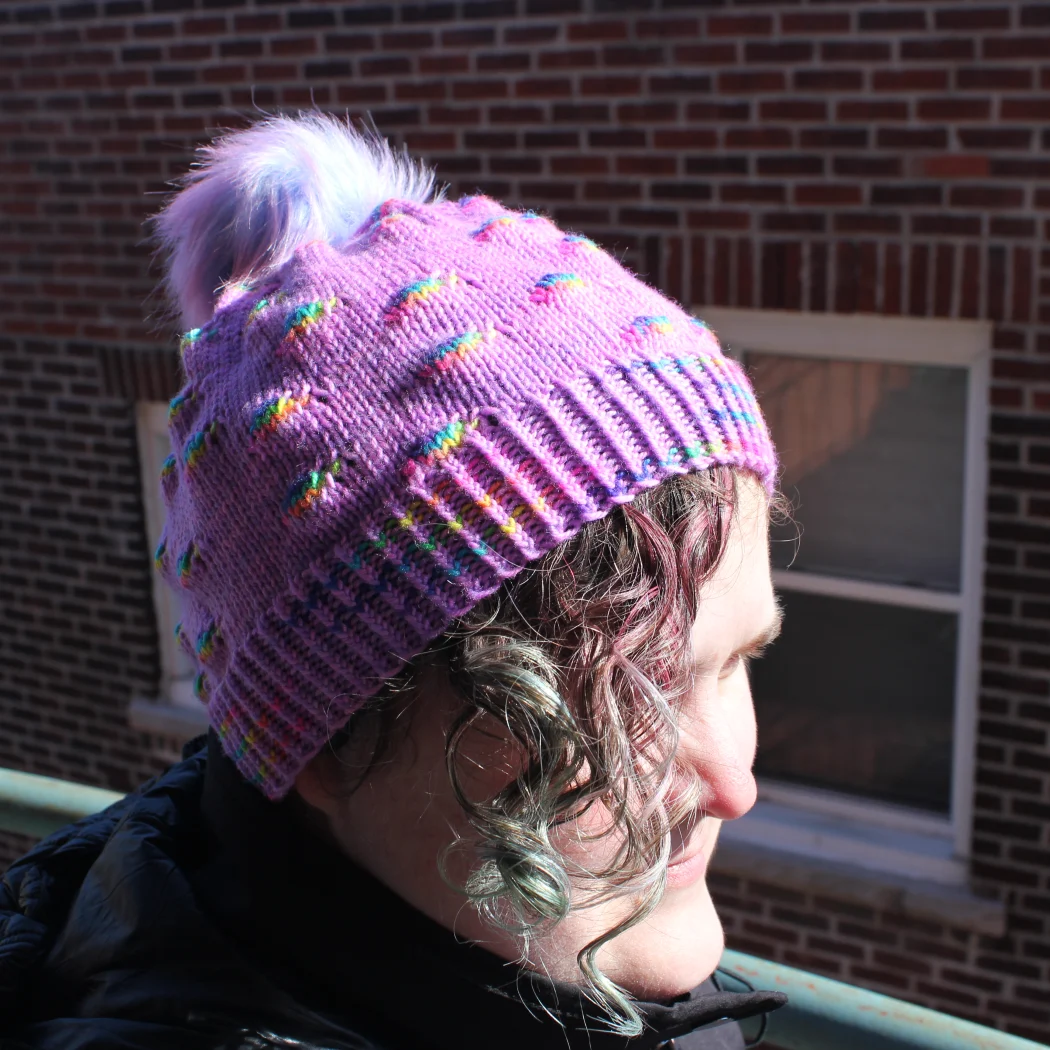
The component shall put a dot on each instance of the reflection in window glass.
(872, 456)
(858, 697)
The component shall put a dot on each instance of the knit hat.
(398, 405)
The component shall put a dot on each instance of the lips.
(687, 861)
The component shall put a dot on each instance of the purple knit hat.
(394, 418)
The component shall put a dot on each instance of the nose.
(717, 745)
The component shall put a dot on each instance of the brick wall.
(885, 157)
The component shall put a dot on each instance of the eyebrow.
(766, 637)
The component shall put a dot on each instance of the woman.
(469, 527)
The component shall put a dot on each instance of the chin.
(675, 949)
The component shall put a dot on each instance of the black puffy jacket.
(195, 915)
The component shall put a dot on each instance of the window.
(177, 670)
(866, 705)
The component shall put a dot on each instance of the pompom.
(258, 194)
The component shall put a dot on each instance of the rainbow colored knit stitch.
(452, 351)
(574, 242)
(550, 284)
(272, 414)
(642, 326)
(489, 226)
(308, 488)
(264, 304)
(197, 445)
(417, 292)
(186, 561)
(167, 468)
(383, 217)
(178, 403)
(200, 687)
(188, 339)
(207, 640)
(158, 554)
(445, 441)
(302, 317)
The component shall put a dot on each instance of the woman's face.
(404, 813)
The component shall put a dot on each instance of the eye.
(730, 666)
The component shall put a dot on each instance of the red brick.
(473, 89)
(789, 164)
(598, 31)
(972, 18)
(815, 22)
(503, 62)
(718, 111)
(718, 220)
(910, 79)
(706, 54)
(647, 164)
(1028, 46)
(955, 166)
(993, 78)
(758, 138)
(630, 55)
(793, 109)
(611, 85)
(986, 196)
(739, 25)
(872, 109)
(578, 58)
(542, 87)
(995, 138)
(668, 27)
(751, 82)
(951, 49)
(530, 34)
(647, 112)
(828, 79)
(1036, 108)
(779, 52)
(695, 138)
(430, 65)
(753, 192)
(911, 138)
(954, 108)
(827, 194)
(579, 165)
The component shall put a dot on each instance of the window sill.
(167, 719)
(952, 903)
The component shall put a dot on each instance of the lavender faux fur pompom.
(258, 194)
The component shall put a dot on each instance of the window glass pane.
(858, 697)
(872, 456)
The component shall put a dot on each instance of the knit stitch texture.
(372, 440)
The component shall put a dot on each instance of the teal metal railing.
(33, 805)
(821, 1015)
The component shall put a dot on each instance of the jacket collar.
(347, 947)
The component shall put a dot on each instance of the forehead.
(738, 602)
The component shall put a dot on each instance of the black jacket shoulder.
(103, 944)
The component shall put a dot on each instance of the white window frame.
(176, 687)
(833, 826)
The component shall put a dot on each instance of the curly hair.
(583, 660)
